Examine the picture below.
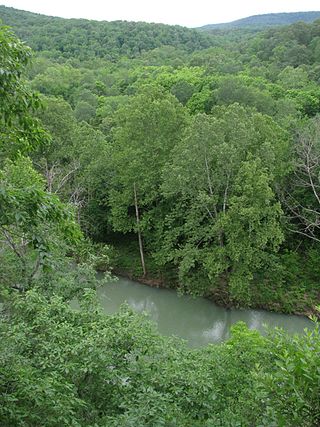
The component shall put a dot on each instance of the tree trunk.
(139, 231)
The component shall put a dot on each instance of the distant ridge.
(99, 39)
(267, 20)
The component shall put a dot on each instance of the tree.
(19, 130)
(183, 91)
(57, 161)
(84, 111)
(201, 181)
(252, 229)
(57, 80)
(32, 222)
(293, 78)
(303, 198)
(236, 89)
(75, 161)
(146, 131)
(28, 214)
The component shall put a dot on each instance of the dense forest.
(84, 39)
(267, 20)
(171, 155)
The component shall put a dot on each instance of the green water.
(197, 320)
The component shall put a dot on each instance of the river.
(197, 320)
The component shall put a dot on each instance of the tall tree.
(147, 129)
(303, 198)
(19, 130)
(28, 214)
(202, 178)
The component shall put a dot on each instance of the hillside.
(267, 20)
(86, 39)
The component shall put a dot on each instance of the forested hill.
(84, 39)
(266, 20)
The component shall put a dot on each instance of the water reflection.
(195, 319)
(217, 333)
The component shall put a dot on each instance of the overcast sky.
(191, 13)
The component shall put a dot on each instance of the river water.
(196, 320)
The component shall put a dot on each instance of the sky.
(190, 13)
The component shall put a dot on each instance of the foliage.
(267, 20)
(117, 370)
(152, 123)
(87, 39)
(19, 130)
(216, 174)
(32, 223)
(290, 393)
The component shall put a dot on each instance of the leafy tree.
(147, 130)
(84, 111)
(290, 392)
(31, 222)
(182, 91)
(99, 69)
(117, 370)
(57, 160)
(293, 78)
(252, 228)
(233, 90)
(93, 39)
(203, 178)
(28, 214)
(57, 80)
(19, 130)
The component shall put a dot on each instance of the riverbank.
(196, 320)
(279, 298)
(220, 297)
